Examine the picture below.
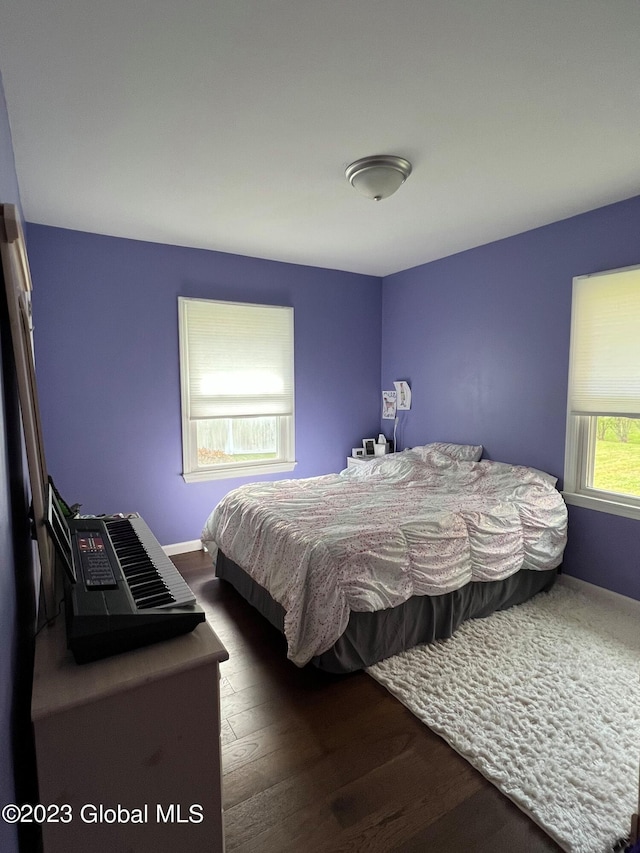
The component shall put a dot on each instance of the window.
(236, 370)
(602, 460)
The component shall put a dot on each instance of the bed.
(358, 566)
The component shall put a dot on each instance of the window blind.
(240, 359)
(604, 374)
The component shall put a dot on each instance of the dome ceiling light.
(379, 176)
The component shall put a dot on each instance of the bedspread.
(369, 538)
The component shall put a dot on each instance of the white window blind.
(240, 359)
(604, 374)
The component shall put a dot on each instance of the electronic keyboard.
(127, 592)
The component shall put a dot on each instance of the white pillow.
(460, 452)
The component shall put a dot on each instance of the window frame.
(191, 471)
(580, 447)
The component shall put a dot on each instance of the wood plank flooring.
(320, 763)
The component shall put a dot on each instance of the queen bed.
(358, 566)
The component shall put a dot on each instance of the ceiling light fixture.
(379, 176)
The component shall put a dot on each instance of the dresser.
(128, 748)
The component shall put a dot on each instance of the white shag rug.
(544, 700)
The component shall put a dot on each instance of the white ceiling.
(227, 124)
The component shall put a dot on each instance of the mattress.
(418, 523)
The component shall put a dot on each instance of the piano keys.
(128, 592)
(151, 576)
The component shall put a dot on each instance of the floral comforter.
(369, 538)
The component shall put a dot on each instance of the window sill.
(238, 471)
(602, 505)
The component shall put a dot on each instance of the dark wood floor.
(318, 763)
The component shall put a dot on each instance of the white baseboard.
(182, 547)
(630, 605)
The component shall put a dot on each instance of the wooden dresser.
(128, 747)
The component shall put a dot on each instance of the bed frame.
(371, 637)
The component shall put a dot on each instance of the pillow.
(395, 466)
(459, 452)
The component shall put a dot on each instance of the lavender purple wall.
(483, 339)
(9, 194)
(106, 333)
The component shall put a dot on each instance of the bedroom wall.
(10, 477)
(483, 339)
(106, 334)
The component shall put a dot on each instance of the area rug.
(544, 700)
